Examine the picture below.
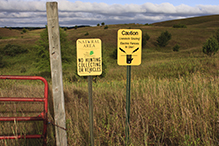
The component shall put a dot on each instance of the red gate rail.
(41, 117)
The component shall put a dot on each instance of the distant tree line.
(21, 28)
(35, 28)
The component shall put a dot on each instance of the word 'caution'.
(129, 46)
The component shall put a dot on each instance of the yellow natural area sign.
(89, 58)
(129, 46)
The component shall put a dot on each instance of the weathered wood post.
(56, 72)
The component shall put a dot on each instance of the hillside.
(203, 21)
(159, 62)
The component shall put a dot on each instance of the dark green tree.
(163, 39)
(102, 23)
(210, 47)
(42, 50)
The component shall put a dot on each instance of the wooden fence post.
(56, 72)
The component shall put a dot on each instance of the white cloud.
(33, 12)
(210, 9)
(21, 6)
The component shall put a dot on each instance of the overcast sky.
(27, 13)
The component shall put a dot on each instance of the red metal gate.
(41, 117)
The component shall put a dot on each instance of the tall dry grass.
(12, 88)
(181, 111)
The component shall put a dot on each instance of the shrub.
(145, 38)
(86, 34)
(65, 28)
(179, 26)
(106, 27)
(176, 48)
(98, 24)
(210, 47)
(76, 27)
(24, 30)
(163, 39)
(13, 50)
(102, 23)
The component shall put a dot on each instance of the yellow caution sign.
(129, 46)
(89, 57)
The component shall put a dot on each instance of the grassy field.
(174, 95)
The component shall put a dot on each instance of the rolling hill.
(163, 61)
(202, 21)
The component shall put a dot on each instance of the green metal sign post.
(128, 88)
(90, 109)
